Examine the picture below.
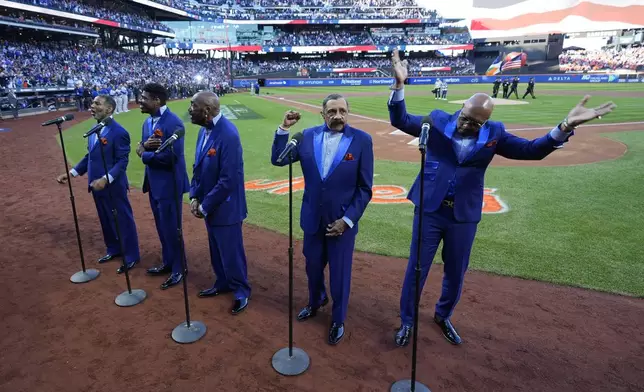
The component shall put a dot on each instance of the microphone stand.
(187, 332)
(129, 297)
(290, 361)
(413, 385)
(85, 275)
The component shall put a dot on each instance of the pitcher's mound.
(499, 101)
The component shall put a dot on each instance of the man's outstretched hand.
(581, 114)
(399, 68)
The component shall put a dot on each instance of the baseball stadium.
(552, 299)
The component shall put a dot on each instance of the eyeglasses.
(471, 121)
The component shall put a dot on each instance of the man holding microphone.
(337, 164)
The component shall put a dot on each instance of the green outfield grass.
(578, 225)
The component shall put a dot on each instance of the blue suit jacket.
(117, 152)
(158, 175)
(442, 166)
(218, 178)
(346, 191)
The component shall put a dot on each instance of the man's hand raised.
(290, 118)
(399, 68)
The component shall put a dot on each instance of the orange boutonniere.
(212, 152)
(348, 157)
(158, 133)
(491, 143)
(104, 141)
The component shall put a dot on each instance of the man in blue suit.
(159, 177)
(337, 164)
(115, 142)
(217, 195)
(460, 148)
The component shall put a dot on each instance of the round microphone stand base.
(287, 365)
(130, 299)
(405, 386)
(84, 277)
(184, 334)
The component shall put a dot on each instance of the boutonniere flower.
(104, 141)
(158, 133)
(348, 157)
(212, 152)
(491, 143)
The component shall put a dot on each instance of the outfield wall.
(554, 78)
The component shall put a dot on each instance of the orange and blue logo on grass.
(382, 194)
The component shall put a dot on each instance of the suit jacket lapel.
(201, 152)
(318, 139)
(95, 137)
(345, 142)
(484, 134)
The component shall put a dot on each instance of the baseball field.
(552, 300)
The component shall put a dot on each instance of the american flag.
(515, 63)
(507, 18)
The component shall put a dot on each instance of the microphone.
(67, 117)
(169, 141)
(295, 140)
(424, 132)
(97, 128)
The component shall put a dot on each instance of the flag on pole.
(495, 67)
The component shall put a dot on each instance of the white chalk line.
(399, 132)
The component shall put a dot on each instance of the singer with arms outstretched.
(115, 142)
(217, 195)
(459, 149)
(337, 163)
(158, 178)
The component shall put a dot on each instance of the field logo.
(239, 112)
(382, 194)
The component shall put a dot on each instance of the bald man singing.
(217, 195)
(460, 148)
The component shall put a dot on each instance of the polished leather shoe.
(212, 292)
(131, 265)
(174, 279)
(239, 305)
(308, 312)
(336, 333)
(107, 258)
(162, 270)
(449, 332)
(402, 336)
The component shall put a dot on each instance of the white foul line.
(515, 129)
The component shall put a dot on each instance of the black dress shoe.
(212, 292)
(308, 312)
(106, 258)
(449, 332)
(239, 305)
(174, 279)
(402, 336)
(131, 265)
(162, 270)
(336, 333)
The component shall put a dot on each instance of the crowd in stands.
(45, 64)
(602, 60)
(35, 20)
(458, 65)
(302, 9)
(394, 36)
(112, 13)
